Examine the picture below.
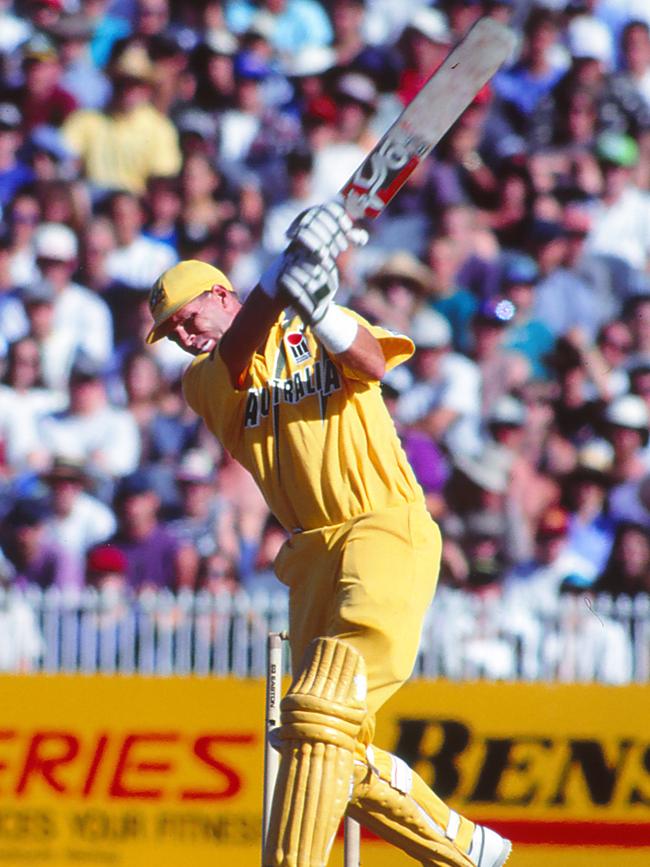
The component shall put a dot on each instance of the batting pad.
(321, 716)
(394, 802)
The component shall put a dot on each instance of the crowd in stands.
(134, 133)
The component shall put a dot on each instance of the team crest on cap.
(297, 346)
(157, 295)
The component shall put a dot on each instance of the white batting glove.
(327, 230)
(308, 282)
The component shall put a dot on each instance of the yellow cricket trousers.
(368, 582)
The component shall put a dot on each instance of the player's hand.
(308, 282)
(326, 230)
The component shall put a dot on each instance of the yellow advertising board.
(129, 771)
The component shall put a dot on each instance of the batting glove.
(327, 230)
(307, 283)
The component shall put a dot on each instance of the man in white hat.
(79, 314)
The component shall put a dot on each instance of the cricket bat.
(429, 115)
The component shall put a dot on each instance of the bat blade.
(429, 115)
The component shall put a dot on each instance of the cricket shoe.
(488, 849)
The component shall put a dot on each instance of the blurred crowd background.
(134, 133)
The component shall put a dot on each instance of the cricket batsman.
(289, 382)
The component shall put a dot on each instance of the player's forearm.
(365, 356)
(248, 331)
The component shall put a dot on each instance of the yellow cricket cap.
(176, 286)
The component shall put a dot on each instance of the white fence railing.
(464, 637)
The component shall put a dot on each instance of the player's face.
(199, 325)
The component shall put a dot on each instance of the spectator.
(635, 46)
(97, 241)
(531, 491)
(23, 216)
(445, 400)
(115, 147)
(396, 291)
(627, 419)
(106, 572)
(477, 484)
(152, 21)
(621, 219)
(350, 47)
(253, 133)
(77, 311)
(577, 415)
(81, 77)
(562, 300)
(48, 157)
(239, 253)
(429, 464)
(424, 43)
(14, 173)
(14, 29)
(36, 558)
(235, 486)
(106, 568)
(19, 443)
(218, 575)
(164, 203)
(13, 323)
(484, 541)
(56, 348)
(627, 571)
(457, 304)
(43, 14)
(213, 62)
(521, 86)
(205, 206)
(591, 528)
(502, 370)
(300, 195)
(41, 98)
(613, 346)
(107, 29)
(478, 249)
(137, 260)
(354, 103)
(526, 333)
(509, 217)
(621, 109)
(91, 430)
(78, 520)
(21, 643)
(206, 520)
(155, 559)
(534, 585)
(604, 276)
(291, 24)
(636, 315)
(638, 371)
(263, 577)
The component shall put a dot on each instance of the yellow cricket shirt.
(317, 439)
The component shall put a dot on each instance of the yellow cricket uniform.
(363, 557)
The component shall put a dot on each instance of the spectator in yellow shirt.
(122, 148)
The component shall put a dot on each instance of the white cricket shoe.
(488, 849)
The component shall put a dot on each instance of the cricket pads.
(321, 717)
(394, 802)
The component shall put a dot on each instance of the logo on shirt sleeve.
(297, 346)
